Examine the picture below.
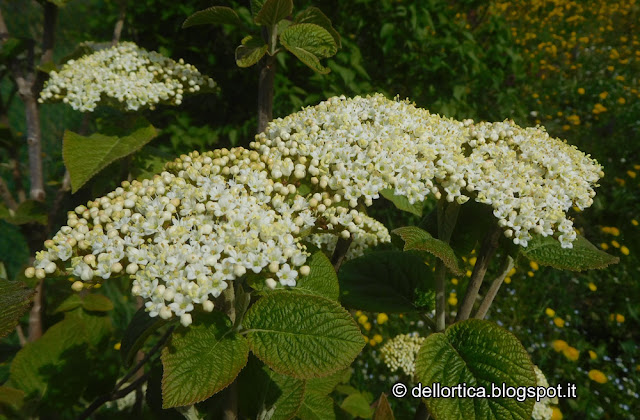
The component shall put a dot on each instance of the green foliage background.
(540, 62)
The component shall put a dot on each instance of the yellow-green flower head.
(400, 352)
(124, 76)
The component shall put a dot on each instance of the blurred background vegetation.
(572, 66)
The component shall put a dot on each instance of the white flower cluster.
(357, 147)
(541, 409)
(401, 351)
(124, 76)
(182, 236)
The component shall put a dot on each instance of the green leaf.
(272, 11)
(278, 395)
(303, 336)
(98, 325)
(256, 5)
(201, 360)
(583, 256)
(384, 281)
(59, 3)
(137, 332)
(55, 358)
(97, 302)
(402, 203)
(251, 51)
(327, 384)
(383, 409)
(29, 211)
(11, 401)
(322, 279)
(72, 302)
(216, 15)
(84, 157)
(416, 239)
(316, 407)
(357, 405)
(11, 48)
(315, 16)
(478, 353)
(15, 299)
(309, 42)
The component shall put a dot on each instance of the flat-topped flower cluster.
(355, 148)
(211, 218)
(124, 76)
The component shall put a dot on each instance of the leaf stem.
(231, 402)
(487, 251)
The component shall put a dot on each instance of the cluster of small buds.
(401, 351)
(530, 179)
(365, 231)
(124, 76)
(207, 220)
(355, 148)
(541, 409)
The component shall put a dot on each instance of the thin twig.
(6, 195)
(21, 338)
(493, 289)
(487, 250)
(146, 357)
(342, 246)
(116, 394)
(447, 218)
(35, 315)
(117, 30)
(230, 411)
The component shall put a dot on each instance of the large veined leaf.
(316, 407)
(315, 15)
(84, 157)
(250, 51)
(309, 42)
(383, 409)
(216, 15)
(15, 299)
(201, 360)
(416, 239)
(322, 279)
(272, 11)
(273, 395)
(303, 336)
(384, 281)
(583, 256)
(402, 203)
(55, 358)
(256, 5)
(478, 353)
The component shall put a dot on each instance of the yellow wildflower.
(593, 355)
(454, 281)
(615, 244)
(597, 376)
(507, 280)
(559, 345)
(367, 326)
(619, 318)
(634, 222)
(377, 338)
(534, 265)
(556, 414)
(592, 287)
(631, 174)
(382, 318)
(453, 299)
(550, 312)
(603, 95)
(362, 319)
(372, 342)
(559, 322)
(624, 250)
(117, 346)
(571, 353)
(622, 101)
(581, 91)
(604, 246)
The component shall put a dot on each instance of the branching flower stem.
(487, 251)
(507, 265)
(447, 217)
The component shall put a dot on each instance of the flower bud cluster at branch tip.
(211, 218)
(124, 76)
(401, 351)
